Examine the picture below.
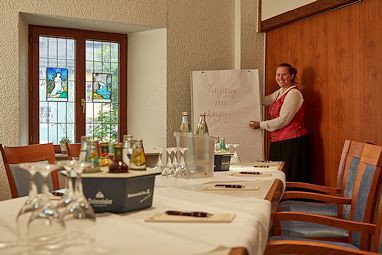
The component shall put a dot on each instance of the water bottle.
(222, 145)
(185, 127)
(217, 144)
(202, 128)
(92, 157)
(127, 148)
(84, 143)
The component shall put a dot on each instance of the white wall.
(147, 83)
(271, 8)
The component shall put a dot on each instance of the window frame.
(80, 66)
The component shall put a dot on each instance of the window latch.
(83, 103)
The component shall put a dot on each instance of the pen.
(248, 172)
(234, 186)
(191, 214)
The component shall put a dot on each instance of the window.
(77, 82)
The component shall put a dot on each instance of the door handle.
(83, 104)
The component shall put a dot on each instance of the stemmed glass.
(228, 147)
(184, 171)
(33, 203)
(79, 215)
(45, 227)
(68, 196)
(176, 163)
(174, 160)
(167, 170)
(235, 160)
(159, 166)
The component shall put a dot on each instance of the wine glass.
(45, 227)
(177, 171)
(33, 202)
(68, 196)
(174, 161)
(169, 166)
(228, 147)
(184, 171)
(159, 166)
(235, 160)
(79, 215)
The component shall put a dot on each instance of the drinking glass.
(45, 227)
(33, 202)
(174, 161)
(228, 147)
(68, 196)
(79, 215)
(184, 171)
(167, 169)
(159, 166)
(235, 160)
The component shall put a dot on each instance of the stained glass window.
(57, 81)
(102, 90)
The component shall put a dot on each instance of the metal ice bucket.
(200, 154)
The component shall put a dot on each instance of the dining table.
(245, 232)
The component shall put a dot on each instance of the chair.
(350, 159)
(26, 154)
(306, 246)
(73, 150)
(366, 190)
(326, 189)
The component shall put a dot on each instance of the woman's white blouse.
(290, 107)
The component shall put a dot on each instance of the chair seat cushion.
(347, 245)
(309, 207)
(310, 230)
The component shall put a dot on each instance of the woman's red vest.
(294, 129)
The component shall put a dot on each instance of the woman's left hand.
(254, 124)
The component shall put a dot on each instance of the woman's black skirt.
(296, 154)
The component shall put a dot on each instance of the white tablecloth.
(129, 234)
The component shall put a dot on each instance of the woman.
(289, 136)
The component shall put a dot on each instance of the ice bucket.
(200, 154)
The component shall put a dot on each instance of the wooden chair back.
(341, 166)
(73, 150)
(351, 165)
(354, 154)
(26, 154)
(366, 191)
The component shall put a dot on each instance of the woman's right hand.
(254, 124)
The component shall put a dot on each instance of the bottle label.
(126, 156)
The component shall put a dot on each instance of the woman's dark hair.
(291, 69)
